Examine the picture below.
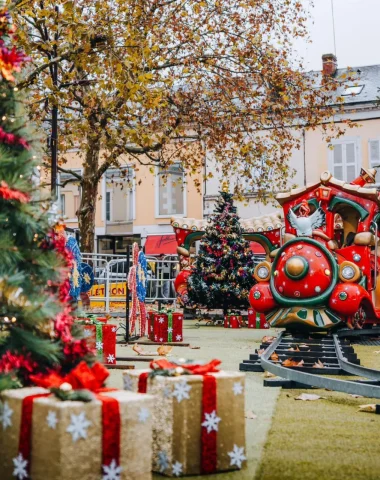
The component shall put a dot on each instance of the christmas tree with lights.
(35, 316)
(223, 271)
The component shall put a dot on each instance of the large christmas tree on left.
(35, 318)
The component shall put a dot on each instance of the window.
(130, 205)
(374, 156)
(63, 205)
(108, 206)
(76, 203)
(120, 185)
(70, 188)
(353, 90)
(344, 160)
(171, 191)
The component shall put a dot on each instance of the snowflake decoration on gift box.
(170, 330)
(163, 461)
(178, 338)
(111, 358)
(181, 390)
(211, 421)
(52, 419)
(167, 392)
(20, 464)
(99, 345)
(237, 456)
(161, 319)
(237, 388)
(87, 334)
(78, 426)
(128, 384)
(114, 329)
(112, 471)
(161, 339)
(266, 325)
(143, 415)
(155, 338)
(177, 469)
(5, 415)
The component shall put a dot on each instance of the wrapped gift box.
(68, 439)
(233, 321)
(165, 327)
(256, 319)
(102, 338)
(197, 427)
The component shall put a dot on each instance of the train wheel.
(359, 318)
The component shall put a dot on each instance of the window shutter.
(374, 156)
(338, 162)
(350, 162)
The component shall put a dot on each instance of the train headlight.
(262, 272)
(349, 272)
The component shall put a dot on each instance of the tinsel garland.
(8, 193)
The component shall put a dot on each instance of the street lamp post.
(54, 123)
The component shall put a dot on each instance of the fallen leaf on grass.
(290, 362)
(140, 351)
(164, 350)
(318, 364)
(268, 339)
(269, 375)
(368, 408)
(250, 415)
(274, 357)
(308, 397)
(294, 349)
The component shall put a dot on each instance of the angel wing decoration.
(305, 225)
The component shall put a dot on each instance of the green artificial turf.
(326, 439)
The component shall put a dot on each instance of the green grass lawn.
(326, 439)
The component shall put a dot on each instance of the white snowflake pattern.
(78, 426)
(163, 461)
(167, 392)
(5, 415)
(151, 328)
(112, 471)
(20, 465)
(266, 325)
(161, 339)
(99, 345)
(178, 338)
(114, 329)
(177, 469)
(87, 333)
(155, 338)
(237, 456)
(52, 419)
(181, 390)
(211, 421)
(111, 358)
(179, 318)
(237, 388)
(170, 330)
(128, 384)
(161, 319)
(143, 415)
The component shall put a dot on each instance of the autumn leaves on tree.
(152, 82)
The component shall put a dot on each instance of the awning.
(257, 248)
(161, 244)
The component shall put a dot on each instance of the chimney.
(330, 64)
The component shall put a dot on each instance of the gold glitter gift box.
(198, 427)
(67, 438)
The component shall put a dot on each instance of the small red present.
(165, 326)
(233, 321)
(256, 319)
(102, 337)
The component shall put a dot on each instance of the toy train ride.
(321, 269)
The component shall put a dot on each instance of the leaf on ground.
(318, 364)
(294, 349)
(376, 352)
(355, 396)
(269, 375)
(140, 351)
(194, 348)
(303, 345)
(274, 357)
(268, 339)
(250, 415)
(290, 362)
(368, 408)
(308, 397)
(164, 350)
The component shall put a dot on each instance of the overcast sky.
(357, 33)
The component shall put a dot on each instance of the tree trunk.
(89, 184)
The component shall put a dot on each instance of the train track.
(334, 352)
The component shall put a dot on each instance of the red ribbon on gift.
(209, 403)
(81, 377)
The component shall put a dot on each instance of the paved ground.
(230, 346)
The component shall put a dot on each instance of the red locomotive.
(325, 273)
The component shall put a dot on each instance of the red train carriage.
(325, 274)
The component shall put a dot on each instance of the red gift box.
(165, 327)
(102, 338)
(256, 319)
(233, 321)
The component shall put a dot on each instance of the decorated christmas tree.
(223, 272)
(35, 318)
